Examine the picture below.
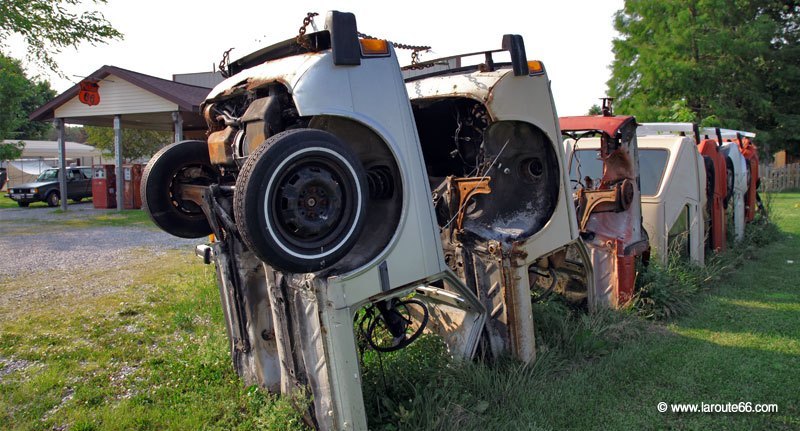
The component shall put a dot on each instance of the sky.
(163, 37)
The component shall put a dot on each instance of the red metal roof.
(607, 125)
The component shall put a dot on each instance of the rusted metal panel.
(750, 153)
(220, 147)
(709, 148)
(608, 125)
(609, 207)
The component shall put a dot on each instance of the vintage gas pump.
(103, 183)
(131, 186)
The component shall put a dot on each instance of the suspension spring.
(381, 184)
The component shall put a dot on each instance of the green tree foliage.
(136, 143)
(717, 62)
(11, 151)
(595, 110)
(71, 134)
(49, 26)
(12, 88)
(19, 96)
(37, 95)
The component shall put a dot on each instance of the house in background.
(120, 98)
(783, 158)
(40, 155)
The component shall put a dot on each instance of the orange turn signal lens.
(212, 238)
(535, 67)
(374, 47)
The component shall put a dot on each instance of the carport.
(121, 98)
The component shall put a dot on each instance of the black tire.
(24, 204)
(185, 162)
(53, 199)
(315, 190)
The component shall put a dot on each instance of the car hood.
(33, 185)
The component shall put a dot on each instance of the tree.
(19, 96)
(37, 95)
(49, 26)
(71, 134)
(13, 84)
(595, 110)
(11, 151)
(726, 62)
(136, 143)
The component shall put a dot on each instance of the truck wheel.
(23, 204)
(300, 200)
(53, 199)
(185, 162)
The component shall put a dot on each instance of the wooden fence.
(780, 179)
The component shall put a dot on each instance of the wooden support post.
(118, 156)
(177, 125)
(58, 123)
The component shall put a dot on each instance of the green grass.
(737, 340)
(111, 218)
(10, 203)
(154, 356)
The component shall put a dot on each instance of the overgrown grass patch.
(729, 332)
(155, 357)
(668, 290)
(152, 357)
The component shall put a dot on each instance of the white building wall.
(116, 96)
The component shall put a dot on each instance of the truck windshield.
(49, 174)
(587, 163)
(652, 163)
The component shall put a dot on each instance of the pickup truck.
(45, 188)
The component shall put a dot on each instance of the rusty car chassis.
(334, 211)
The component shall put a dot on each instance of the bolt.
(266, 335)
(311, 202)
(506, 171)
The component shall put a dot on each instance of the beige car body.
(681, 192)
(499, 252)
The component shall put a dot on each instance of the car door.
(86, 173)
(75, 183)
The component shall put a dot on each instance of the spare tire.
(185, 162)
(300, 200)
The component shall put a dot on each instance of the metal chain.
(223, 64)
(301, 38)
(415, 49)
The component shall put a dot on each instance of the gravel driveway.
(70, 248)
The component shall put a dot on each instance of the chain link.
(415, 50)
(301, 38)
(223, 64)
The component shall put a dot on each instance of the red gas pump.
(103, 183)
(131, 183)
